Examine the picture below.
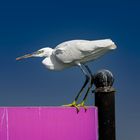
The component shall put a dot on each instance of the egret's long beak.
(24, 56)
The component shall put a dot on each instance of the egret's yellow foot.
(82, 104)
(73, 104)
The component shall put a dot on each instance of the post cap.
(103, 81)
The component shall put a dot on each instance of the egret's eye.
(39, 52)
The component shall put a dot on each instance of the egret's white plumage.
(71, 53)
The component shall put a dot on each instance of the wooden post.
(105, 101)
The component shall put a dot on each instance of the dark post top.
(105, 101)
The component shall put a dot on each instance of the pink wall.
(48, 123)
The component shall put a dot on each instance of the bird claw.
(73, 104)
(82, 104)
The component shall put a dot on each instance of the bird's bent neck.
(49, 51)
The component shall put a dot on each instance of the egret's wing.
(70, 51)
(77, 50)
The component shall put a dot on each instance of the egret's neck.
(48, 52)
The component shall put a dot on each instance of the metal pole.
(105, 101)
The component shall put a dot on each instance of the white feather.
(70, 53)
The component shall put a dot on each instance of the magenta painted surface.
(47, 123)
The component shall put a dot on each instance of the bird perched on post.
(74, 53)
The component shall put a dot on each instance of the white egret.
(74, 53)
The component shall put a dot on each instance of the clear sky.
(26, 26)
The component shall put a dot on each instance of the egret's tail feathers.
(104, 43)
(113, 46)
(109, 44)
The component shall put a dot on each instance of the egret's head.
(44, 52)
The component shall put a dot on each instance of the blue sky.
(26, 26)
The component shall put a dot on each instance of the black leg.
(85, 83)
(87, 78)
(87, 92)
(91, 83)
(91, 76)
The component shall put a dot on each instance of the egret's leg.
(91, 76)
(87, 78)
(82, 104)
